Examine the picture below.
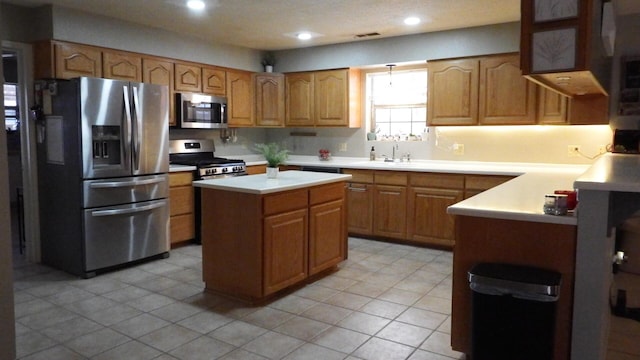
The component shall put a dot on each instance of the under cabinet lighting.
(304, 36)
(412, 20)
(195, 4)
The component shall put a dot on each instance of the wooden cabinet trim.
(122, 66)
(390, 178)
(285, 201)
(361, 176)
(451, 181)
(326, 193)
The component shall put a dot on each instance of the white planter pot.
(268, 68)
(272, 172)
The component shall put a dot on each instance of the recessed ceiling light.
(195, 4)
(412, 20)
(304, 36)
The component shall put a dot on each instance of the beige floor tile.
(169, 337)
(364, 323)
(130, 350)
(140, 325)
(202, 348)
(267, 317)
(383, 308)
(150, 302)
(70, 295)
(417, 286)
(424, 318)
(440, 343)
(400, 296)
(435, 304)
(329, 314)
(339, 339)
(234, 309)
(426, 355)
(156, 283)
(114, 314)
(57, 352)
(293, 304)
(70, 329)
(127, 294)
(238, 333)
(32, 342)
(403, 333)
(273, 345)
(302, 328)
(316, 292)
(384, 279)
(348, 300)
(176, 311)
(48, 317)
(96, 342)
(31, 307)
(205, 322)
(353, 273)
(314, 352)
(369, 289)
(380, 349)
(241, 354)
(335, 282)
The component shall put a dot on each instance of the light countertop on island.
(260, 184)
(612, 172)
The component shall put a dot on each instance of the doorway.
(17, 68)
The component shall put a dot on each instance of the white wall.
(7, 321)
(627, 45)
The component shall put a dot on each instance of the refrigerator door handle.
(116, 184)
(137, 134)
(127, 211)
(127, 112)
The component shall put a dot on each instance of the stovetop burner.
(199, 153)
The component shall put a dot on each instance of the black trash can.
(513, 312)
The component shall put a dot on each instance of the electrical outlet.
(342, 147)
(602, 149)
(458, 149)
(573, 150)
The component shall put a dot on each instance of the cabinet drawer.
(273, 204)
(180, 200)
(361, 176)
(480, 182)
(325, 193)
(180, 178)
(449, 181)
(182, 227)
(391, 178)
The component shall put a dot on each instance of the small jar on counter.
(555, 204)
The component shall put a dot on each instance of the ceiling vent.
(359, 36)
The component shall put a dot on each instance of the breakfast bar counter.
(262, 236)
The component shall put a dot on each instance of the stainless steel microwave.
(201, 111)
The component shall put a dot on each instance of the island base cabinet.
(542, 245)
(326, 231)
(285, 250)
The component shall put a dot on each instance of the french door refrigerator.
(103, 183)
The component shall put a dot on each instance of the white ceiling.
(272, 24)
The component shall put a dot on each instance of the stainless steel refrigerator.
(103, 163)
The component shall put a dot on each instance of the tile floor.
(387, 301)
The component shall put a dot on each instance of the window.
(11, 113)
(397, 103)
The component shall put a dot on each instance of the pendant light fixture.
(390, 66)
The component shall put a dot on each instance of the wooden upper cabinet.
(506, 97)
(73, 60)
(121, 66)
(299, 99)
(239, 99)
(337, 98)
(160, 72)
(552, 107)
(453, 92)
(188, 77)
(214, 81)
(269, 99)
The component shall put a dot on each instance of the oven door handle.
(127, 211)
(118, 184)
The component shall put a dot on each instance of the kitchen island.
(506, 224)
(261, 236)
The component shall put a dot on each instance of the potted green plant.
(268, 61)
(275, 155)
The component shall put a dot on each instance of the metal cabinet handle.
(117, 184)
(127, 211)
(357, 189)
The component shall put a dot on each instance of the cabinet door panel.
(331, 98)
(506, 97)
(121, 66)
(299, 99)
(453, 92)
(428, 219)
(160, 72)
(214, 81)
(239, 98)
(285, 250)
(77, 60)
(188, 77)
(360, 205)
(327, 236)
(390, 211)
(181, 200)
(182, 228)
(269, 100)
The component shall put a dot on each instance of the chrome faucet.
(393, 154)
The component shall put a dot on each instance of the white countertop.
(178, 168)
(612, 172)
(523, 197)
(260, 184)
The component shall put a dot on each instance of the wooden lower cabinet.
(360, 205)
(285, 249)
(181, 207)
(390, 211)
(267, 243)
(543, 245)
(429, 222)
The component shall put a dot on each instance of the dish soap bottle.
(372, 154)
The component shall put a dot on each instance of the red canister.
(572, 199)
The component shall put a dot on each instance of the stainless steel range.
(200, 153)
